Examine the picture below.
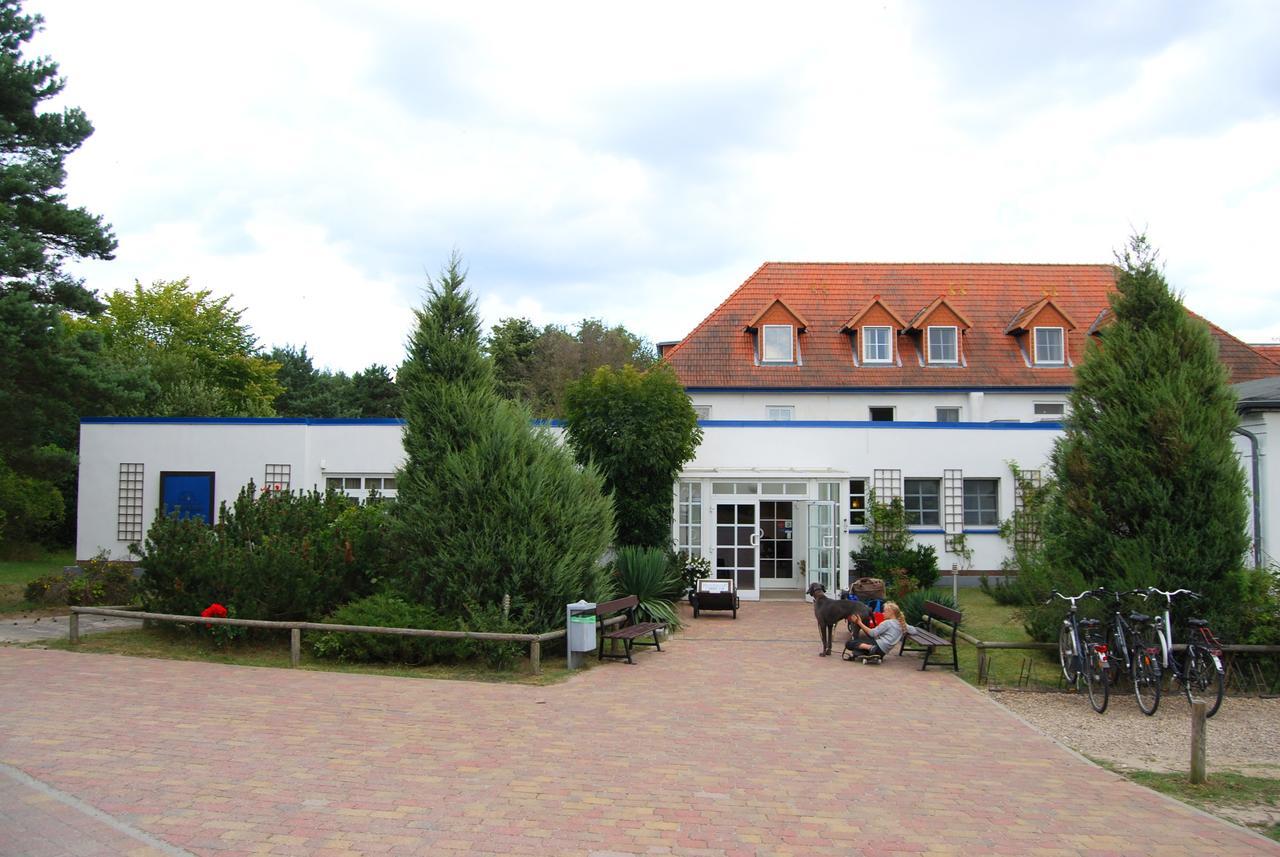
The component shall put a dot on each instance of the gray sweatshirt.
(887, 634)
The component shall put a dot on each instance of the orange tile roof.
(720, 353)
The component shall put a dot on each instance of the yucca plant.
(646, 574)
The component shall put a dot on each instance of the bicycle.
(1078, 636)
(1133, 648)
(1201, 669)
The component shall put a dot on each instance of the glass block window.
(920, 500)
(857, 502)
(781, 412)
(129, 504)
(277, 477)
(981, 506)
(689, 519)
(703, 411)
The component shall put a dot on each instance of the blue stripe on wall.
(879, 425)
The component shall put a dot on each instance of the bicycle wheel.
(1067, 655)
(1145, 673)
(1204, 679)
(1095, 677)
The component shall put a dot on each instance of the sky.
(318, 161)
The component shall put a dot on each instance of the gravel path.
(1242, 736)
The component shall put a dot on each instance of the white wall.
(909, 407)
(840, 453)
(236, 451)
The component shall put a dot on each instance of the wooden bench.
(628, 632)
(925, 640)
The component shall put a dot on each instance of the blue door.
(189, 495)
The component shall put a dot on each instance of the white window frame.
(689, 530)
(922, 517)
(765, 355)
(1046, 416)
(938, 413)
(1061, 344)
(357, 485)
(780, 413)
(703, 411)
(888, 344)
(994, 520)
(955, 343)
(858, 502)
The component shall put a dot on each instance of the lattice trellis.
(129, 503)
(1026, 535)
(952, 506)
(887, 484)
(277, 477)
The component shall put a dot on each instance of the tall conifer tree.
(1151, 491)
(488, 505)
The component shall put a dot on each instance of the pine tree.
(1151, 491)
(488, 505)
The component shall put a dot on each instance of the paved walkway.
(737, 740)
(37, 629)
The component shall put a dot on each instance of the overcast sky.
(637, 163)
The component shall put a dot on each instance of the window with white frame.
(363, 486)
(948, 415)
(920, 501)
(781, 412)
(1050, 411)
(1049, 348)
(777, 343)
(689, 520)
(877, 345)
(703, 411)
(942, 344)
(857, 502)
(981, 506)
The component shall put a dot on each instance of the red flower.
(214, 611)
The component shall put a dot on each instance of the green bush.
(920, 562)
(912, 604)
(646, 574)
(99, 581)
(275, 556)
(386, 611)
(689, 569)
(1244, 608)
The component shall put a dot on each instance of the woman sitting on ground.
(880, 640)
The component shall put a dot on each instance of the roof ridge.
(941, 264)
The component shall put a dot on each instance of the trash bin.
(580, 624)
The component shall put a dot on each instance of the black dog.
(829, 611)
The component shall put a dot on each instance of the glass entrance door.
(822, 545)
(736, 540)
(776, 545)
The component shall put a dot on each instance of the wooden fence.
(295, 630)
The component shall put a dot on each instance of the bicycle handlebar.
(1071, 599)
(1151, 590)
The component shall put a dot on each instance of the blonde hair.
(893, 611)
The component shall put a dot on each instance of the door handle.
(755, 538)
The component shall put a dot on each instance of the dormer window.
(1049, 346)
(877, 344)
(777, 344)
(942, 344)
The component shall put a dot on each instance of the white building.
(816, 384)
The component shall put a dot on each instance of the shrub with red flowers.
(221, 634)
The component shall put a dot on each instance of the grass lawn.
(14, 577)
(175, 644)
(988, 621)
(1223, 793)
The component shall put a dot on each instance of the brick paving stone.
(735, 740)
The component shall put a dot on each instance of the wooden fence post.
(1198, 775)
(535, 656)
(295, 646)
(73, 628)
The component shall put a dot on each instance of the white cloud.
(315, 160)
